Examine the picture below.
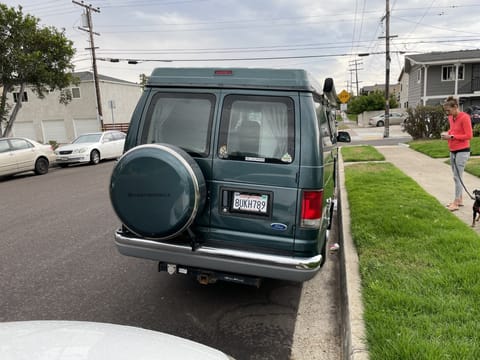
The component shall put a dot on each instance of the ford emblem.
(278, 226)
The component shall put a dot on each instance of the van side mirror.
(343, 136)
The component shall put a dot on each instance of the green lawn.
(361, 153)
(420, 266)
(439, 148)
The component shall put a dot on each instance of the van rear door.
(255, 171)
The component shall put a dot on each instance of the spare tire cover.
(157, 190)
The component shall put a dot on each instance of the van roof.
(257, 78)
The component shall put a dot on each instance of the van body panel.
(262, 138)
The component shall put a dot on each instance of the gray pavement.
(434, 176)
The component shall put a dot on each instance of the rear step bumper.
(232, 261)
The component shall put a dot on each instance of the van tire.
(323, 251)
(157, 190)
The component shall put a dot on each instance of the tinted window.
(180, 119)
(19, 144)
(258, 128)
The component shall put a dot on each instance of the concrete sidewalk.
(435, 177)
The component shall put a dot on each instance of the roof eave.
(445, 61)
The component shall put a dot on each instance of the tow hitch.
(206, 277)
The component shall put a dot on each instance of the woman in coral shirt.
(458, 137)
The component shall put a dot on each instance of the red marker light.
(223, 72)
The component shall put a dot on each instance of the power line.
(136, 61)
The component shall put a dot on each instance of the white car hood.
(78, 340)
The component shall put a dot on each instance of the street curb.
(354, 335)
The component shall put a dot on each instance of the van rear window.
(257, 128)
(181, 119)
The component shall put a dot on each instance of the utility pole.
(386, 133)
(355, 63)
(89, 29)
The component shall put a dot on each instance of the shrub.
(476, 130)
(53, 144)
(425, 122)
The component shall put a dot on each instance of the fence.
(120, 126)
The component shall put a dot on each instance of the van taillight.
(311, 208)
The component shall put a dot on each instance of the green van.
(229, 174)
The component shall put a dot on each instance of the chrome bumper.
(220, 259)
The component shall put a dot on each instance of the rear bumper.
(220, 259)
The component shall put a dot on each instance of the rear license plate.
(250, 203)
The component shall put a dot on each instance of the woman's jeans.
(458, 161)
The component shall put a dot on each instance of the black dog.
(476, 207)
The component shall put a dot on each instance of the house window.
(76, 93)
(448, 72)
(419, 75)
(24, 97)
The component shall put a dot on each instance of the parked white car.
(393, 119)
(91, 148)
(19, 155)
(81, 340)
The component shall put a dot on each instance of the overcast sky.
(323, 37)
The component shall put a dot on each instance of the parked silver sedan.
(19, 155)
(393, 119)
(91, 148)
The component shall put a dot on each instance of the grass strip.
(473, 166)
(439, 148)
(420, 268)
(361, 153)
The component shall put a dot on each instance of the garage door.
(54, 130)
(24, 129)
(83, 126)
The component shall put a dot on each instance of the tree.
(31, 55)
(143, 80)
(371, 102)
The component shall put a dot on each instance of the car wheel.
(157, 190)
(94, 157)
(380, 123)
(41, 166)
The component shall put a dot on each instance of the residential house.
(47, 119)
(437, 75)
(403, 79)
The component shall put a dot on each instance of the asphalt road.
(58, 261)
